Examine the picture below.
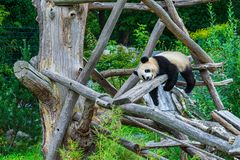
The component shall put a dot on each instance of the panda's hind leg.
(189, 78)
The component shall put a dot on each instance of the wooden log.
(116, 72)
(193, 46)
(125, 143)
(231, 118)
(165, 143)
(126, 72)
(173, 13)
(208, 80)
(225, 123)
(61, 36)
(177, 140)
(143, 7)
(139, 90)
(77, 87)
(108, 87)
(72, 2)
(173, 123)
(152, 42)
(207, 66)
(236, 147)
(39, 84)
(72, 97)
(201, 83)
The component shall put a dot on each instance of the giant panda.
(170, 63)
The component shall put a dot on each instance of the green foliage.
(25, 50)
(71, 152)
(141, 35)
(28, 153)
(109, 150)
(222, 44)
(3, 13)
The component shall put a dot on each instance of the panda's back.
(176, 58)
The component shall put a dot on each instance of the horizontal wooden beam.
(72, 2)
(201, 83)
(143, 7)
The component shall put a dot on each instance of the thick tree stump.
(61, 50)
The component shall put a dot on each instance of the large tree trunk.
(61, 50)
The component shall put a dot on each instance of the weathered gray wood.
(201, 83)
(136, 148)
(77, 87)
(174, 15)
(72, 2)
(61, 50)
(169, 143)
(39, 84)
(216, 116)
(139, 90)
(210, 127)
(236, 147)
(116, 72)
(173, 123)
(210, 85)
(207, 66)
(143, 7)
(193, 46)
(152, 42)
(231, 118)
(108, 87)
(177, 140)
(72, 97)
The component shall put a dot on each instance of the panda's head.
(148, 69)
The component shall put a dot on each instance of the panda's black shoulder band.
(144, 59)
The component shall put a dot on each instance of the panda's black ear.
(135, 72)
(144, 59)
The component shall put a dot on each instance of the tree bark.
(60, 50)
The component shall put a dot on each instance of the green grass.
(31, 153)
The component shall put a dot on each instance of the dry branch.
(108, 87)
(222, 121)
(231, 118)
(77, 87)
(193, 46)
(152, 42)
(210, 85)
(201, 83)
(116, 72)
(39, 84)
(142, 7)
(177, 140)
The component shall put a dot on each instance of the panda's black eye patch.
(147, 70)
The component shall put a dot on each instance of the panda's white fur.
(170, 63)
(177, 58)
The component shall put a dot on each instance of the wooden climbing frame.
(67, 104)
